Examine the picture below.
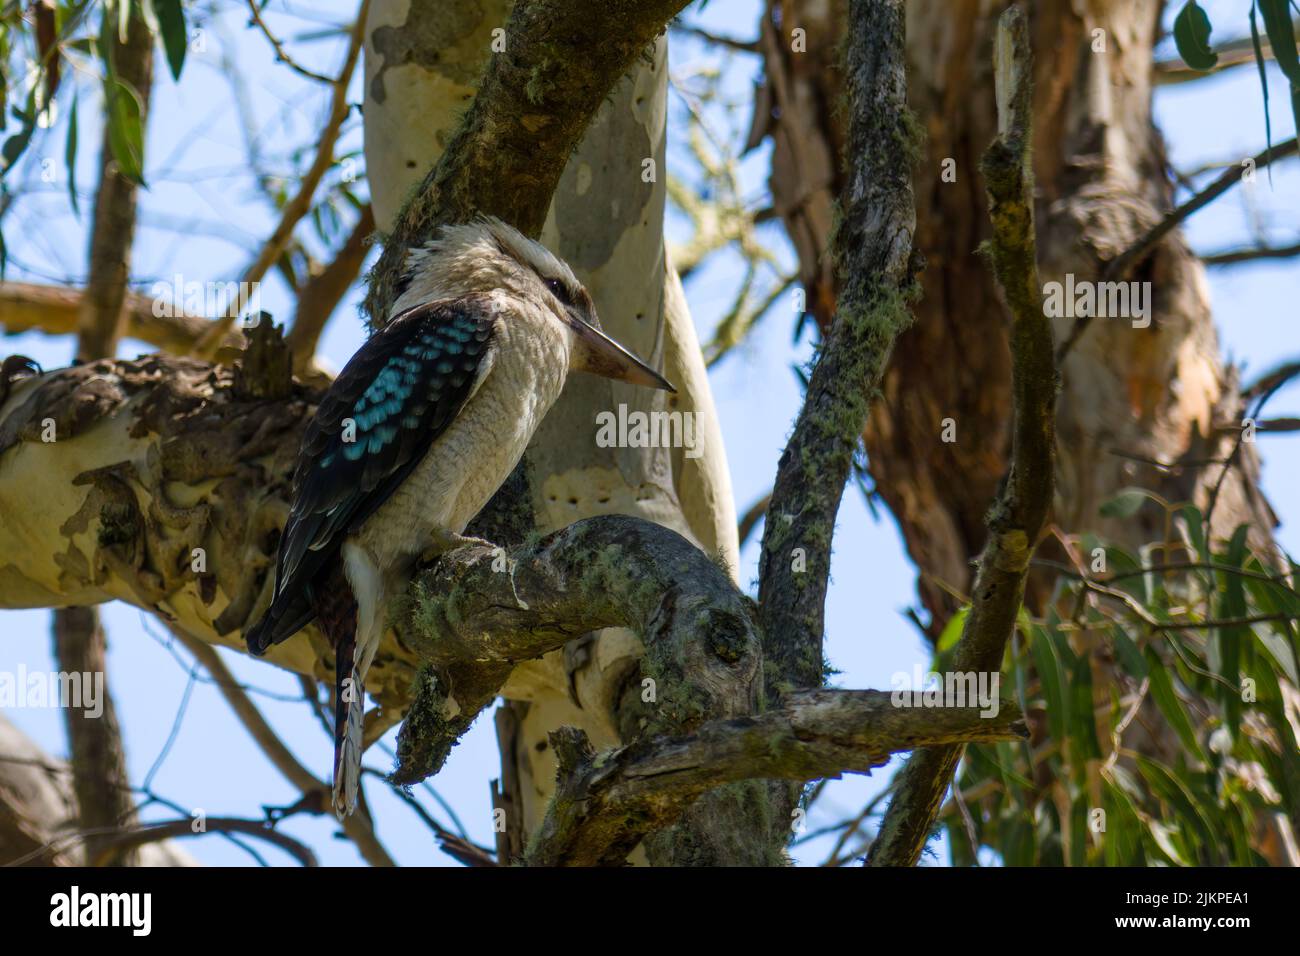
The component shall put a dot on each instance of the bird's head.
(488, 255)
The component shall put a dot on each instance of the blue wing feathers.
(395, 396)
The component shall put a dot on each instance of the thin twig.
(358, 829)
(300, 204)
(1229, 257)
(120, 842)
(281, 54)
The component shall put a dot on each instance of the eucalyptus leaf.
(70, 157)
(1162, 691)
(125, 121)
(1126, 503)
(171, 26)
(1192, 36)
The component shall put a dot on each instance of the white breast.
(525, 371)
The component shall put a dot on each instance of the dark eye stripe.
(559, 290)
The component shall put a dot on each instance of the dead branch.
(604, 803)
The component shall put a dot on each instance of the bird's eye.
(558, 289)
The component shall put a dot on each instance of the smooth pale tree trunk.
(606, 221)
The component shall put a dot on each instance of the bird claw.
(450, 542)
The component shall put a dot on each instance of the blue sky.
(201, 217)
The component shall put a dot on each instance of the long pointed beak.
(597, 353)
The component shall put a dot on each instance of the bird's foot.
(446, 541)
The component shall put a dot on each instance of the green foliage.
(125, 118)
(1192, 35)
(1192, 29)
(1154, 686)
(1281, 37)
(171, 27)
(41, 58)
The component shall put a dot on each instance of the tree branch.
(126, 840)
(731, 43)
(604, 804)
(26, 307)
(480, 610)
(1230, 257)
(1017, 516)
(96, 754)
(873, 248)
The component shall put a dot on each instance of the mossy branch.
(605, 803)
(873, 248)
(1017, 516)
(479, 610)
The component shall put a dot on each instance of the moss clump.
(427, 736)
(535, 88)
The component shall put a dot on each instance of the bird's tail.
(336, 612)
(349, 724)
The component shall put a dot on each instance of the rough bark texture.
(147, 461)
(874, 253)
(1016, 518)
(478, 613)
(1130, 396)
(604, 802)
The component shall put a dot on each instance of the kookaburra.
(418, 431)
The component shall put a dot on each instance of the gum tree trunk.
(1130, 396)
(606, 220)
